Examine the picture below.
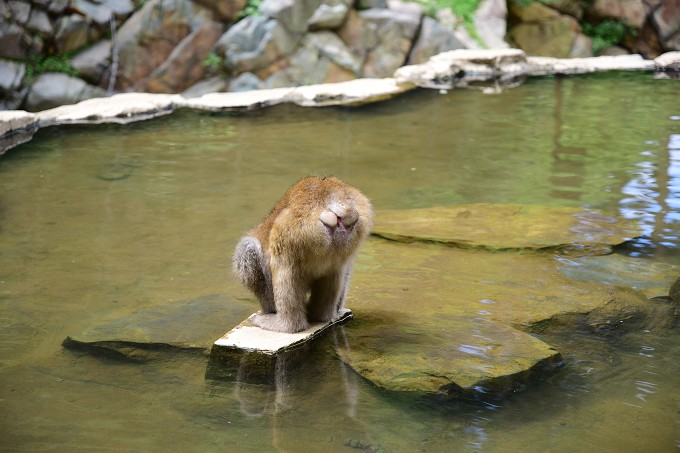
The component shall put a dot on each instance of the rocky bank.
(55, 52)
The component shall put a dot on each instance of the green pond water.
(97, 222)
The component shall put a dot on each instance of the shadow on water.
(99, 222)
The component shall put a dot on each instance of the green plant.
(607, 33)
(40, 64)
(252, 8)
(213, 61)
(465, 9)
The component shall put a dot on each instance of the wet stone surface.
(181, 326)
(507, 227)
(432, 319)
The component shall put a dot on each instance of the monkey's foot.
(278, 323)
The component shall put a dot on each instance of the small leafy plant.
(41, 64)
(252, 8)
(213, 62)
(607, 33)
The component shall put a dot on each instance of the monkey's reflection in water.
(309, 391)
(289, 378)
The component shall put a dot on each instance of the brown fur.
(297, 261)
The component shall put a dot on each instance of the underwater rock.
(463, 357)
(507, 227)
(674, 293)
(650, 278)
(181, 326)
(459, 322)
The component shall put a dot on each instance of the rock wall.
(569, 28)
(55, 52)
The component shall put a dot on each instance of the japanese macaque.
(297, 261)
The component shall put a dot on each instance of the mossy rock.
(508, 227)
(186, 326)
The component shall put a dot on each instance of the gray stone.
(254, 43)
(415, 10)
(12, 93)
(55, 89)
(99, 14)
(549, 37)
(293, 15)
(322, 57)
(74, 32)
(11, 74)
(184, 66)
(40, 23)
(667, 20)
(433, 38)
(489, 21)
(120, 8)
(214, 84)
(93, 61)
(20, 10)
(150, 35)
(612, 51)
(631, 12)
(58, 6)
(582, 47)
(393, 32)
(246, 82)
(328, 17)
(12, 42)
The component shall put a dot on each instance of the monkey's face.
(340, 220)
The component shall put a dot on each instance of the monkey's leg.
(252, 270)
(290, 292)
(327, 296)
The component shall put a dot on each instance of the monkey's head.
(346, 214)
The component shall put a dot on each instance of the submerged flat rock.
(466, 355)
(187, 325)
(507, 226)
(432, 320)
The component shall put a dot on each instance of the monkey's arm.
(290, 292)
(328, 295)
